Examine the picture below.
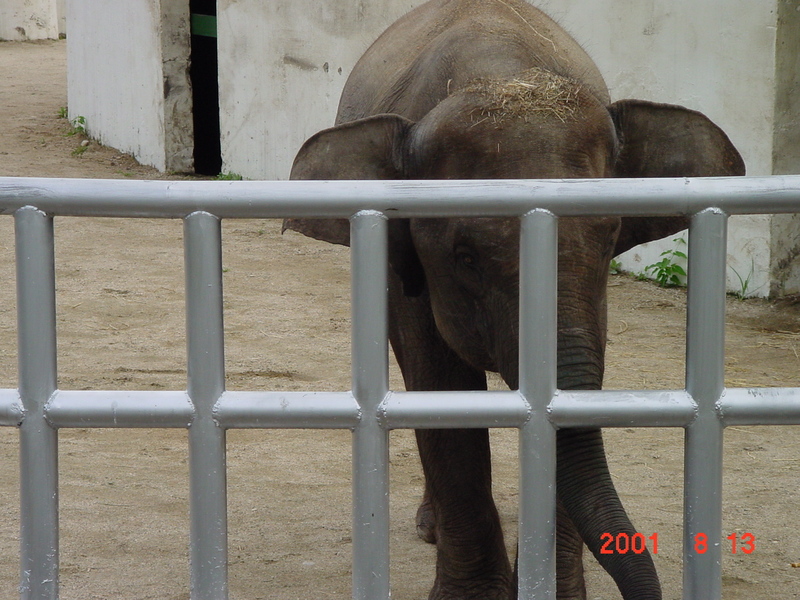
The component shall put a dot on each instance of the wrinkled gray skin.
(408, 111)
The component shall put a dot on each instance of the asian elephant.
(494, 89)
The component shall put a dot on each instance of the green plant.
(744, 282)
(667, 272)
(615, 267)
(63, 113)
(78, 126)
(228, 177)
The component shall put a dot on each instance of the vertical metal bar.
(537, 383)
(36, 307)
(206, 371)
(705, 361)
(370, 386)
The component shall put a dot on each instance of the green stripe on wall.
(204, 25)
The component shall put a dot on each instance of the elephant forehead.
(532, 93)
(516, 129)
(488, 237)
(494, 232)
(587, 237)
(501, 236)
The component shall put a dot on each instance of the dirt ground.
(123, 493)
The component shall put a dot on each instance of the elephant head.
(535, 126)
(465, 271)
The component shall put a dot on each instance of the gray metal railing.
(370, 410)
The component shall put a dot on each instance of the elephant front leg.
(570, 582)
(471, 560)
(426, 523)
(458, 511)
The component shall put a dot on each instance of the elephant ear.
(664, 140)
(365, 149)
(370, 148)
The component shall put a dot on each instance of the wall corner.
(178, 128)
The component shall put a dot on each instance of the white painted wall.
(127, 74)
(280, 82)
(28, 20)
(61, 12)
(722, 58)
(283, 64)
(716, 57)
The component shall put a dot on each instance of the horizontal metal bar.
(287, 410)
(12, 412)
(441, 410)
(278, 199)
(612, 408)
(760, 406)
(338, 410)
(119, 409)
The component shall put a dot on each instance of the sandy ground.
(123, 493)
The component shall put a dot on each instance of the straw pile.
(533, 92)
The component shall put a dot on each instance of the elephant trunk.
(580, 359)
(584, 484)
(587, 492)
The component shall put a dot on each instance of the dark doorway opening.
(205, 87)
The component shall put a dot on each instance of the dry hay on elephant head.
(532, 92)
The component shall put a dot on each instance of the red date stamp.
(624, 543)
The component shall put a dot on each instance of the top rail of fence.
(504, 198)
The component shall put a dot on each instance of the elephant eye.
(468, 272)
(466, 257)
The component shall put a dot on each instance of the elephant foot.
(426, 524)
(488, 578)
(460, 590)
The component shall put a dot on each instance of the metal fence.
(371, 410)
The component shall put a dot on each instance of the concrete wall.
(785, 229)
(737, 62)
(281, 82)
(61, 13)
(28, 20)
(127, 74)
(283, 63)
